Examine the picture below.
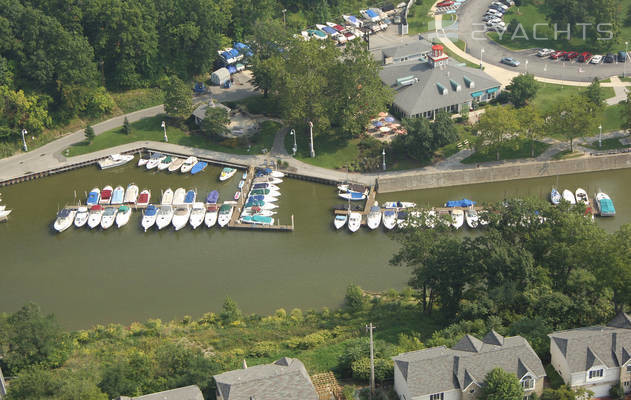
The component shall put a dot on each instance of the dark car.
(609, 58)
(622, 56)
(571, 55)
(585, 57)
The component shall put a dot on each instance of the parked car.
(510, 61)
(558, 55)
(571, 55)
(509, 3)
(493, 22)
(496, 7)
(494, 11)
(446, 3)
(585, 57)
(622, 56)
(544, 52)
(609, 58)
(597, 59)
(488, 17)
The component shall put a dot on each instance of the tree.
(126, 126)
(266, 73)
(497, 127)
(444, 130)
(33, 339)
(522, 89)
(216, 122)
(617, 392)
(354, 298)
(626, 112)
(89, 133)
(42, 384)
(531, 123)
(21, 111)
(594, 94)
(177, 100)
(573, 117)
(419, 141)
(230, 312)
(501, 385)
(566, 393)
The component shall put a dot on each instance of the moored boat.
(176, 164)
(244, 176)
(471, 217)
(118, 195)
(131, 194)
(374, 217)
(402, 218)
(81, 218)
(264, 192)
(212, 197)
(123, 216)
(149, 217)
(165, 163)
(350, 187)
(604, 205)
(180, 217)
(155, 160)
(93, 197)
(237, 195)
(267, 179)
(190, 197)
(94, 216)
(568, 196)
(115, 160)
(457, 218)
(199, 167)
(257, 220)
(197, 214)
(430, 219)
(106, 195)
(399, 204)
(64, 220)
(211, 216)
(143, 160)
(108, 218)
(188, 164)
(227, 173)
(353, 196)
(269, 186)
(340, 220)
(581, 196)
(555, 196)
(165, 216)
(389, 219)
(178, 196)
(225, 213)
(241, 183)
(143, 198)
(167, 197)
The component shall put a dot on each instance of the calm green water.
(87, 277)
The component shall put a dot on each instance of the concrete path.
(619, 89)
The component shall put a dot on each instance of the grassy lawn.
(149, 129)
(138, 99)
(331, 152)
(612, 118)
(566, 154)
(418, 20)
(607, 144)
(462, 45)
(508, 152)
(534, 11)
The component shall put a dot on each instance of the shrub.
(99, 103)
(263, 349)
(354, 298)
(384, 369)
(308, 342)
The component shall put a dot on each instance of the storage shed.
(220, 77)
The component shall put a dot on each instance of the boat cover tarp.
(151, 210)
(93, 197)
(606, 207)
(356, 195)
(117, 197)
(388, 213)
(212, 197)
(106, 194)
(123, 208)
(232, 69)
(460, 203)
(190, 195)
(243, 49)
(402, 215)
(371, 13)
(225, 208)
(317, 32)
(143, 198)
(352, 19)
(329, 30)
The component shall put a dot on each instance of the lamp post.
(295, 148)
(600, 136)
(311, 134)
(526, 67)
(383, 153)
(24, 132)
(626, 54)
(284, 21)
(481, 52)
(164, 126)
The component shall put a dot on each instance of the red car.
(558, 54)
(571, 55)
(585, 57)
(446, 3)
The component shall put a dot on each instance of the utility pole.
(372, 362)
(383, 153)
(311, 134)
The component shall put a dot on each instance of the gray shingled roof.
(584, 348)
(408, 49)
(184, 393)
(425, 95)
(439, 369)
(286, 378)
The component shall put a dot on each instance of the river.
(95, 277)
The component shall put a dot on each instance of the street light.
(526, 67)
(481, 52)
(295, 148)
(24, 132)
(600, 136)
(626, 54)
(284, 21)
(383, 153)
(164, 126)
(311, 134)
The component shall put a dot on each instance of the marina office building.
(426, 85)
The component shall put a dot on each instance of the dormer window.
(629, 368)
(596, 374)
(527, 383)
(437, 396)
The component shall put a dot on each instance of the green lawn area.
(149, 129)
(331, 152)
(607, 144)
(566, 154)
(612, 118)
(508, 152)
(418, 20)
(534, 12)
(138, 99)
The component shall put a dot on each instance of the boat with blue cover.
(212, 197)
(149, 217)
(117, 195)
(353, 196)
(604, 205)
(389, 219)
(460, 203)
(199, 167)
(93, 197)
(241, 183)
(555, 196)
(190, 197)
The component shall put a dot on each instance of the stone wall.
(427, 180)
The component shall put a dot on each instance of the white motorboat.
(82, 217)
(176, 164)
(108, 218)
(399, 205)
(471, 217)
(269, 186)
(5, 213)
(253, 211)
(118, 196)
(167, 197)
(350, 187)
(197, 214)
(225, 213)
(354, 221)
(165, 216)
(180, 217)
(64, 220)
(227, 173)
(374, 217)
(569, 197)
(263, 205)
(389, 219)
(353, 196)
(210, 219)
(166, 163)
(277, 174)
(340, 220)
(93, 197)
(115, 160)
(155, 160)
(178, 196)
(143, 160)
(123, 216)
(94, 217)
(106, 195)
(267, 179)
(604, 205)
(131, 194)
(430, 219)
(144, 198)
(581, 196)
(188, 164)
(264, 192)
(149, 217)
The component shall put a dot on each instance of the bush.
(384, 369)
(616, 392)
(263, 349)
(310, 341)
(99, 103)
(354, 298)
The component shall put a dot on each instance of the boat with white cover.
(227, 173)
(581, 196)
(197, 214)
(109, 217)
(354, 221)
(340, 220)
(94, 217)
(389, 219)
(131, 194)
(188, 164)
(374, 217)
(457, 218)
(569, 197)
(123, 216)
(267, 179)
(81, 218)
(167, 197)
(210, 219)
(165, 216)
(399, 205)
(178, 196)
(180, 217)
(155, 160)
(472, 218)
(176, 164)
(64, 220)
(149, 217)
(115, 160)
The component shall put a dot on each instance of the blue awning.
(493, 90)
(477, 94)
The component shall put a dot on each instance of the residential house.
(286, 378)
(458, 373)
(423, 88)
(183, 393)
(596, 357)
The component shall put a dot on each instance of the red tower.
(438, 58)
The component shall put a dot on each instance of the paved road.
(471, 13)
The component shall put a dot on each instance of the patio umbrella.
(395, 125)
(389, 119)
(385, 129)
(383, 114)
(377, 123)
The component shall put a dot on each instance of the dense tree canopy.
(501, 385)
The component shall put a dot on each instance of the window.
(629, 368)
(437, 396)
(528, 383)
(626, 383)
(528, 397)
(597, 373)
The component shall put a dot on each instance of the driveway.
(470, 15)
